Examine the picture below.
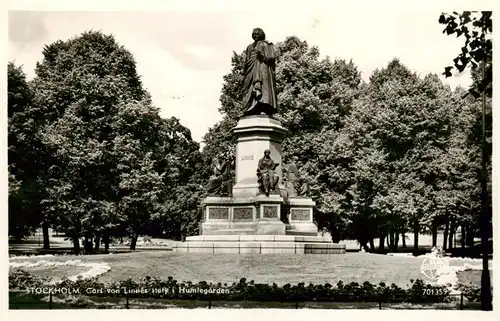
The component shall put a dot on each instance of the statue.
(266, 177)
(295, 185)
(219, 183)
(259, 82)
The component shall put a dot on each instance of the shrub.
(20, 279)
(471, 292)
(419, 292)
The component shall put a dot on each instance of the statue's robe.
(216, 184)
(266, 176)
(259, 84)
(292, 180)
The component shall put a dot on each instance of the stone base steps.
(259, 238)
(303, 233)
(259, 248)
(231, 232)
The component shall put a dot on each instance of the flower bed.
(92, 269)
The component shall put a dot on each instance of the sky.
(183, 53)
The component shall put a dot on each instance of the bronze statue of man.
(219, 183)
(259, 82)
(296, 185)
(266, 176)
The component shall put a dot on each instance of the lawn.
(25, 301)
(228, 268)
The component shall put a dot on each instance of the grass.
(472, 276)
(25, 301)
(228, 268)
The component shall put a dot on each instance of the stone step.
(297, 232)
(260, 247)
(241, 231)
(258, 238)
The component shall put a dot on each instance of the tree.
(25, 156)
(115, 164)
(79, 87)
(396, 135)
(180, 211)
(477, 52)
(476, 27)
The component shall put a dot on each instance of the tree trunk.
(403, 239)
(372, 245)
(133, 243)
(450, 237)
(391, 239)
(381, 242)
(45, 229)
(416, 230)
(470, 237)
(88, 245)
(396, 240)
(85, 245)
(76, 244)
(18, 234)
(445, 235)
(97, 242)
(462, 237)
(106, 243)
(434, 234)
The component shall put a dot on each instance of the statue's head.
(258, 34)
(267, 153)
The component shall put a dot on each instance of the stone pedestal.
(242, 216)
(249, 222)
(300, 216)
(269, 221)
(256, 134)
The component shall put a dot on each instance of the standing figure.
(259, 82)
(266, 177)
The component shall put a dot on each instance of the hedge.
(152, 287)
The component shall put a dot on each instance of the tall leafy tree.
(397, 134)
(25, 157)
(115, 158)
(477, 53)
(180, 211)
(79, 86)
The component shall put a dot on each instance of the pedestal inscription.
(300, 214)
(242, 213)
(218, 213)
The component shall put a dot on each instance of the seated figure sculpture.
(266, 177)
(219, 183)
(295, 183)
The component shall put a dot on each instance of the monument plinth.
(258, 214)
(255, 135)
